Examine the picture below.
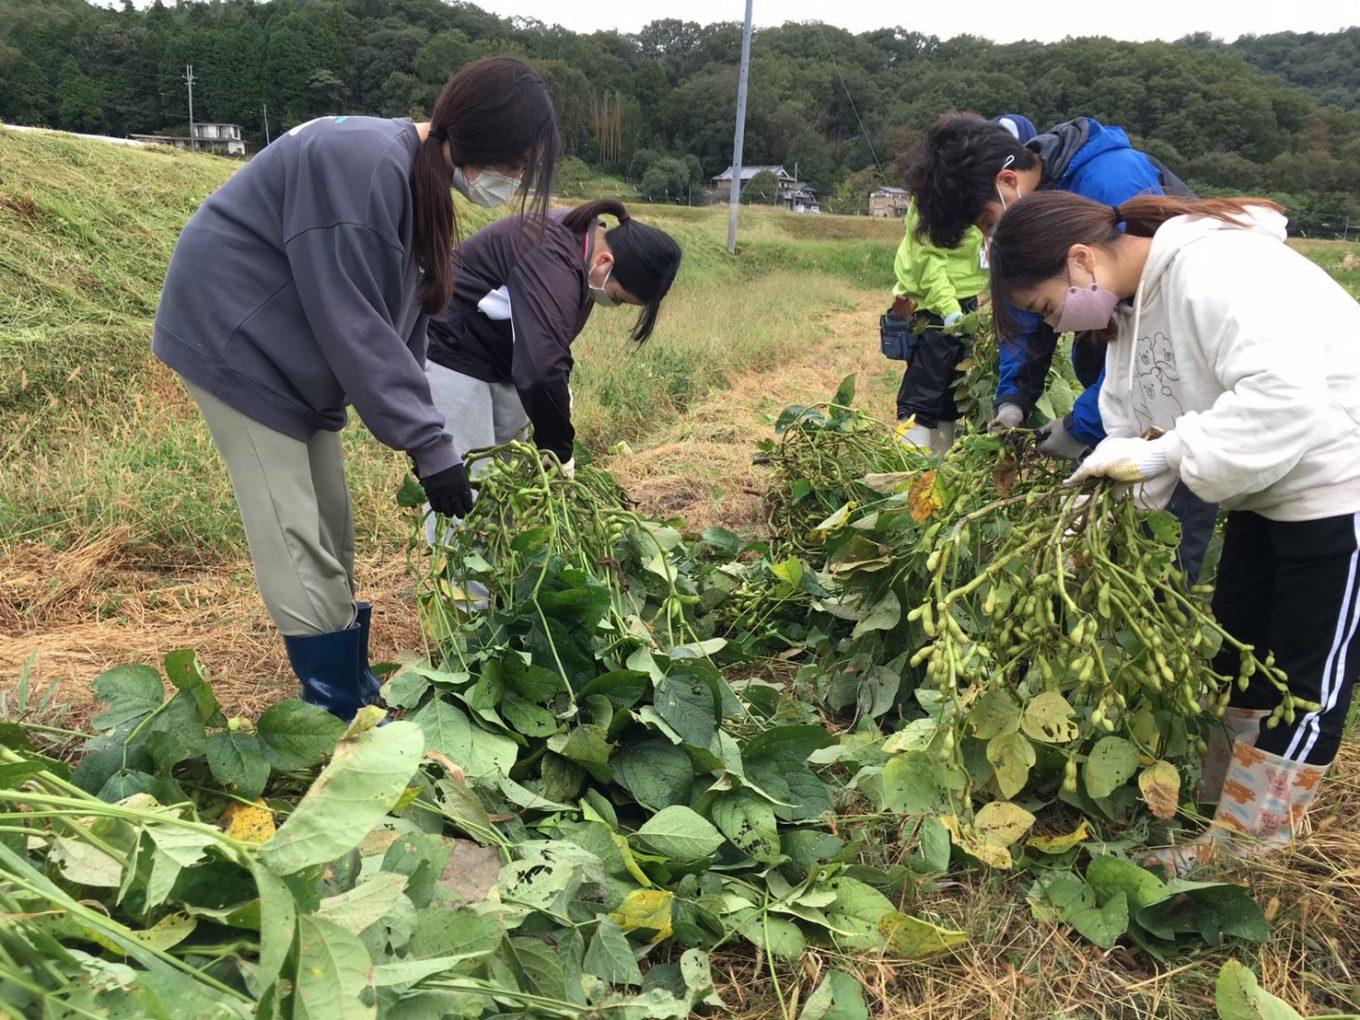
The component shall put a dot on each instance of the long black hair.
(645, 259)
(955, 175)
(494, 111)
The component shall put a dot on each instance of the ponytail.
(436, 225)
(645, 259)
(583, 217)
(494, 111)
(1032, 239)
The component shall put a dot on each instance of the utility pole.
(741, 132)
(189, 80)
(266, 123)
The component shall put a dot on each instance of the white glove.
(951, 320)
(569, 467)
(1008, 416)
(1123, 460)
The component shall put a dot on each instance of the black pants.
(1293, 587)
(1197, 528)
(927, 389)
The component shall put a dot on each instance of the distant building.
(224, 139)
(793, 193)
(888, 202)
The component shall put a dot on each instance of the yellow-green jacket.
(938, 278)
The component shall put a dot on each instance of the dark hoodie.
(1097, 162)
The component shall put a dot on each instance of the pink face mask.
(1085, 309)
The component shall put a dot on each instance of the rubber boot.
(916, 435)
(1242, 724)
(943, 438)
(1263, 801)
(370, 687)
(329, 668)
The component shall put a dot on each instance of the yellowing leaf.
(169, 931)
(888, 484)
(646, 908)
(913, 938)
(1062, 843)
(248, 823)
(1161, 788)
(966, 840)
(924, 498)
(834, 522)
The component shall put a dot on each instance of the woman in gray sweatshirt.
(304, 284)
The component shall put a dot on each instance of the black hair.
(645, 259)
(955, 175)
(1032, 240)
(494, 111)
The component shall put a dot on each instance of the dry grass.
(700, 468)
(72, 614)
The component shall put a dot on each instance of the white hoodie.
(1248, 355)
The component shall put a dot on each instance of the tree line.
(1277, 115)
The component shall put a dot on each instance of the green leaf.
(855, 914)
(411, 495)
(749, 823)
(1104, 924)
(295, 736)
(85, 864)
(845, 392)
(181, 667)
(623, 687)
(915, 939)
(725, 543)
(1163, 524)
(478, 752)
(278, 923)
(1012, 756)
(539, 966)
(777, 935)
(441, 933)
(1111, 763)
(680, 834)
(794, 743)
(236, 762)
(915, 784)
(588, 747)
(657, 773)
(527, 718)
(885, 615)
(934, 839)
(1107, 875)
(686, 705)
(333, 970)
(993, 714)
(131, 692)
(838, 997)
(367, 903)
(610, 957)
(1050, 719)
(364, 780)
(1238, 996)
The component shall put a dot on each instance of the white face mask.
(598, 294)
(490, 189)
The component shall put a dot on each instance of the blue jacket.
(1097, 162)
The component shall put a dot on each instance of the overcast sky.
(1002, 20)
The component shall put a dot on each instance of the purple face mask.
(1085, 309)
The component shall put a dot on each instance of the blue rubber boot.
(370, 687)
(330, 670)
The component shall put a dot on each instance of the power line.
(851, 99)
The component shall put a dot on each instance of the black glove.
(448, 491)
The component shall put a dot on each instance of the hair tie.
(623, 217)
(1118, 214)
(438, 134)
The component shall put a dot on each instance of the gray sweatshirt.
(292, 290)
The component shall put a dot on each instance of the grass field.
(119, 542)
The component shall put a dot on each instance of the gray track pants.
(295, 506)
(476, 414)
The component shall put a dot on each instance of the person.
(970, 171)
(1253, 412)
(305, 284)
(500, 354)
(935, 289)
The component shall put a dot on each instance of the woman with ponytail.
(303, 285)
(500, 354)
(1213, 378)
